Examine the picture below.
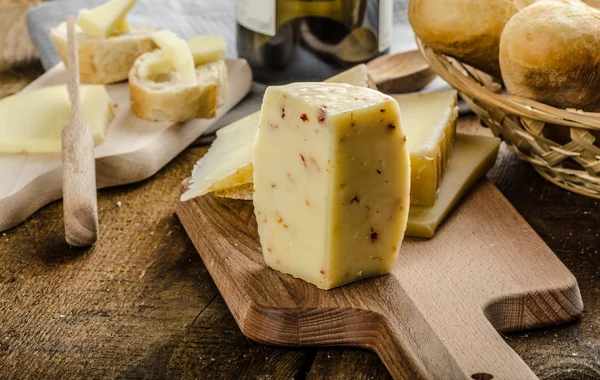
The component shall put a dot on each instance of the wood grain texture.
(80, 204)
(16, 48)
(18, 63)
(141, 303)
(134, 149)
(432, 317)
(401, 72)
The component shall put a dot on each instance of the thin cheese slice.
(430, 123)
(207, 48)
(102, 21)
(204, 49)
(228, 162)
(471, 158)
(331, 182)
(122, 27)
(32, 121)
(177, 51)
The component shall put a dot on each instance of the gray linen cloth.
(189, 18)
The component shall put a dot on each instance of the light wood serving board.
(436, 316)
(134, 149)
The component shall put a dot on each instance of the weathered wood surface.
(141, 303)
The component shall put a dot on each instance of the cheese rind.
(103, 20)
(177, 51)
(430, 123)
(356, 76)
(331, 181)
(32, 121)
(229, 164)
(472, 157)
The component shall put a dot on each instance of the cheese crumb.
(119, 203)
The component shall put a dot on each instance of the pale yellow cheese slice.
(430, 123)
(207, 48)
(471, 158)
(32, 121)
(228, 163)
(331, 182)
(103, 20)
(177, 51)
(204, 49)
(122, 27)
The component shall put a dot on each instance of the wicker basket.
(559, 143)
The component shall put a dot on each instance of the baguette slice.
(105, 60)
(162, 94)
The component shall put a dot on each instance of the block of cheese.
(228, 163)
(204, 49)
(471, 158)
(430, 122)
(177, 51)
(32, 121)
(103, 20)
(331, 182)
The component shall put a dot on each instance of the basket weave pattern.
(559, 143)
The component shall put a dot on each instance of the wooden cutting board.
(134, 149)
(436, 316)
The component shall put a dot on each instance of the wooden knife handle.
(80, 203)
(79, 186)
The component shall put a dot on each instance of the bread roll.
(468, 30)
(105, 60)
(161, 94)
(550, 52)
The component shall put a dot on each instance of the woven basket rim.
(522, 123)
(517, 105)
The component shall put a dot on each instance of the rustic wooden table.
(140, 303)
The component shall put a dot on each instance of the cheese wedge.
(32, 121)
(472, 157)
(331, 182)
(102, 21)
(430, 123)
(228, 163)
(177, 51)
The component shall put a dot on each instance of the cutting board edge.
(264, 324)
(13, 216)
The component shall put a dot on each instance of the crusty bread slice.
(105, 60)
(164, 95)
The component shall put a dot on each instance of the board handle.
(475, 346)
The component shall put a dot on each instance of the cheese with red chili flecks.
(332, 182)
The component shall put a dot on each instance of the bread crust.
(468, 30)
(550, 52)
(106, 60)
(176, 100)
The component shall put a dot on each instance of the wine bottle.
(310, 40)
